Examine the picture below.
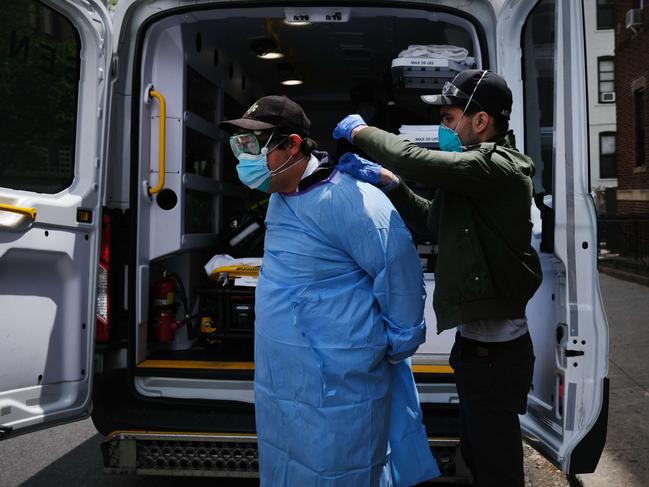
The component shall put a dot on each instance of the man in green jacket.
(486, 268)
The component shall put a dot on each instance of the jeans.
(493, 380)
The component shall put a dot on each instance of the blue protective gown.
(340, 292)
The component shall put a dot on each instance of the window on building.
(640, 132)
(604, 14)
(606, 79)
(607, 160)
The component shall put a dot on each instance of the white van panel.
(566, 316)
(39, 290)
(49, 266)
(437, 347)
(227, 390)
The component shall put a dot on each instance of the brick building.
(631, 83)
(627, 229)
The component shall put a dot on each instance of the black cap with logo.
(272, 112)
(492, 94)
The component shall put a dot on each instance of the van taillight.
(102, 323)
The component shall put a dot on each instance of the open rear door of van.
(542, 44)
(54, 74)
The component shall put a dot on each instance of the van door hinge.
(5, 430)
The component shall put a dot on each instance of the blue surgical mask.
(253, 171)
(449, 141)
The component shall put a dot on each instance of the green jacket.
(480, 218)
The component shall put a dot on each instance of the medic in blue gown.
(339, 309)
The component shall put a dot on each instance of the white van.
(91, 228)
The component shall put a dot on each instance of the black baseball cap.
(492, 94)
(272, 112)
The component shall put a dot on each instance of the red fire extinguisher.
(165, 327)
(163, 293)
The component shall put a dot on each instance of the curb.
(625, 275)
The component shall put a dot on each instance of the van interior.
(211, 65)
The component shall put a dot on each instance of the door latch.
(574, 353)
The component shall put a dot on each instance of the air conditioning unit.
(607, 97)
(634, 19)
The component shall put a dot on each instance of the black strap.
(318, 176)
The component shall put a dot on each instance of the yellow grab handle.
(163, 114)
(30, 212)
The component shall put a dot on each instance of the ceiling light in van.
(292, 82)
(288, 75)
(271, 55)
(266, 48)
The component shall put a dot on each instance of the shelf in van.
(425, 72)
(424, 135)
(210, 185)
(198, 240)
(201, 183)
(202, 126)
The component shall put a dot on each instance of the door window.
(538, 66)
(39, 75)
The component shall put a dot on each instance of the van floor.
(230, 351)
(234, 360)
(231, 360)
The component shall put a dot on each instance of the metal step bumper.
(223, 455)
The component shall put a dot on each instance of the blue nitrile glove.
(359, 168)
(346, 125)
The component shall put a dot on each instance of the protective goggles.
(245, 143)
(449, 89)
(248, 143)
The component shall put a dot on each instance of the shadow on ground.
(82, 466)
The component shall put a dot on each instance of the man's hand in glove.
(359, 168)
(346, 125)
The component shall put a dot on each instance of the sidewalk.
(625, 268)
(625, 460)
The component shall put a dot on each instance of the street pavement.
(69, 455)
(625, 461)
